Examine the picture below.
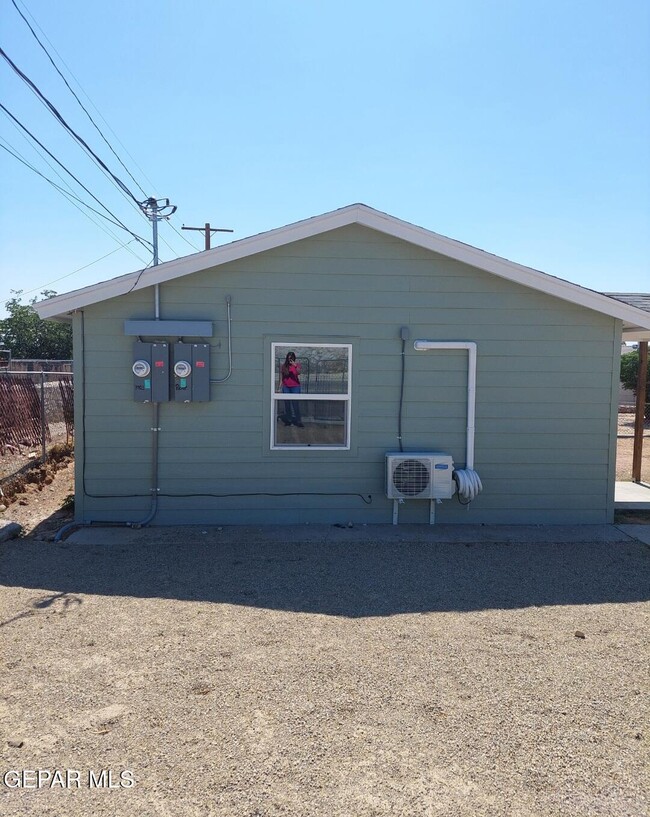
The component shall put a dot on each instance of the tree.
(629, 372)
(27, 336)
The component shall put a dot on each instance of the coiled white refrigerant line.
(467, 480)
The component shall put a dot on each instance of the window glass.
(312, 422)
(311, 395)
(323, 369)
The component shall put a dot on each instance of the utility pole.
(156, 210)
(207, 231)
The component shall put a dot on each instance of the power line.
(96, 261)
(99, 113)
(67, 194)
(58, 116)
(69, 172)
(36, 90)
(13, 152)
(83, 107)
(193, 246)
(58, 70)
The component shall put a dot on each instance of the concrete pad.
(380, 534)
(632, 496)
(640, 532)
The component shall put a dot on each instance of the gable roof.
(635, 319)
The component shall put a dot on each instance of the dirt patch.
(40, 498)
(328, 673)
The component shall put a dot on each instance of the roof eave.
(311, 227)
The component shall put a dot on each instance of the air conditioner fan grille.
(411, 477)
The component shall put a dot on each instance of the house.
(409, 342)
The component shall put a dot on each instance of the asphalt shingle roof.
(641, 300)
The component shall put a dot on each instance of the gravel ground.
(323, 671)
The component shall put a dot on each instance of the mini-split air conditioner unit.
(419, 475)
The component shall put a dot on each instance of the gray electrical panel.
(150, 372)
(191, 372)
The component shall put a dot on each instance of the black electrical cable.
(76, 79)
(56, 68)
(74, 272)
(193, 246)
(67, 192)
(137, 280)
(70, 197)
(116, 180)
(58, 187)
(138, 238)
(95, 125)
(364, 498)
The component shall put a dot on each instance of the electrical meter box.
(191, 372)
(150, 372)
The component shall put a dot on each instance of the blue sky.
(518, 126)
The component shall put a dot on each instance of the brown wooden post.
(641, 386)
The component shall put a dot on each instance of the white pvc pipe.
(425, 346)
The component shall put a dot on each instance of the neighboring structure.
(350, 292)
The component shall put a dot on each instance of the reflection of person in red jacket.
(290, 382)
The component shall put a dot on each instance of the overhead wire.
(72, 198)
(69, 87)
(57, 115)
(74, 272)
(53, 110)
(68, 194)
(99, 113)
(187, 241)
(123, 188)
(141, 240)
(13, 152)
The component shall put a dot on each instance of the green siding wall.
(545, 431)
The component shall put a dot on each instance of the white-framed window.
(310, 396)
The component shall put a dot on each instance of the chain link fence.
(36, 413)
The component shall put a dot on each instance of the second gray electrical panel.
(191, 372)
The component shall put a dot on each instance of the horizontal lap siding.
(543, 419)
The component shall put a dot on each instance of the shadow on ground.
(365, 571)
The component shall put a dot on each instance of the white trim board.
(61, 305)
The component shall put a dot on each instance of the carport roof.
(636, 321)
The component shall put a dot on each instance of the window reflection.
(323, 423)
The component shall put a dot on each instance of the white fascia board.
(534, 279)
(352, 214)
(61, 305)
(170, 270)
